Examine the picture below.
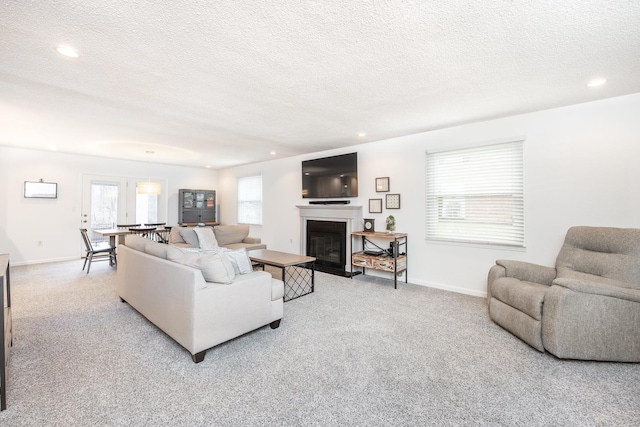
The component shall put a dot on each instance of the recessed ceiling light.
(208, 166)
(67, 51)
(361, 134)
(273, 153)
(596, 82)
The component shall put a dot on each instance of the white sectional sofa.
(196, 313)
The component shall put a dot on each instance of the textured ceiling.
(224, 83)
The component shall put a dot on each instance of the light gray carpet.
(356, 352)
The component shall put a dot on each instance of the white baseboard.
(44, 261)
(449, 288)
(386, 275)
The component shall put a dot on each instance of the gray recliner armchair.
(587, 307)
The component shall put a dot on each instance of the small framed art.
(375, 205)
(393, 201)
(382, 184)
(40, 190)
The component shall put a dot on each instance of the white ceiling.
(224, 83)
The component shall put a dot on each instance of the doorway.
(110, 200)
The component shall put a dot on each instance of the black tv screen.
(335, 176)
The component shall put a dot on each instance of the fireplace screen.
(326, 241)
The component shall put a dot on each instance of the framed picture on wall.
(382, 184)
(40, 190)
(393, 201)
(375, 205)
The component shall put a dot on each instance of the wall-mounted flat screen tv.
(335, 176)
(40, 190)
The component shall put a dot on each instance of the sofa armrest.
(528, 272)
(598, 288)
(250, 239)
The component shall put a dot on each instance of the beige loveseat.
(196, 313)
(587, 307)
(227, 236)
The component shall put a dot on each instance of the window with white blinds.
(250, 200)
(476, 195)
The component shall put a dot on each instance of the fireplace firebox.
(326, 241)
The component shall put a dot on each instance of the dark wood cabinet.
(197, 207)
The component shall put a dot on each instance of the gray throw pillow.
(190, 237)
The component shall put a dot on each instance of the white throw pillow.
(206, 239)
(215, 266)
(239, 260)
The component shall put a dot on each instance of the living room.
(356, 351)
(579, 163)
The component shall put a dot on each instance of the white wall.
(581, 168)
(55, 222)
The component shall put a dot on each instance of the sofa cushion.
(239, 260)
(174, 235)
(226, 234)
(206, 238)
(526, 297)
(136, 242)
(215, 266)
(601, 253)
(156, 249)
(246, 246)
(189, 235)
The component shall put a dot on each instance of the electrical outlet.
(40, 243)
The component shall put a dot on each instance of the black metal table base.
(299, 280)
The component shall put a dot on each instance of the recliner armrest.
(250, 239)
(528, 272)
(598, 288)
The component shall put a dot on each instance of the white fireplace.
(349, 214)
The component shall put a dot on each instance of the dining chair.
(126, 226)
(143, 231)
(161, 233)
(97, 252)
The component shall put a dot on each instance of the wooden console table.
(5, 327)
(389, 259)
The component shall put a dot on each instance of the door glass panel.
(104, 206)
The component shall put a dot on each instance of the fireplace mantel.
(351, 214)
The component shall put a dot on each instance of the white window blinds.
(250, 200)
(476, 195)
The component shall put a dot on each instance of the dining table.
(159, 234)
(112, 233)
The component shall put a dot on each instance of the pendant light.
(149, 187)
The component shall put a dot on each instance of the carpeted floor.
(356, 352)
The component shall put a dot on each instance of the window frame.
(244, 198)
(475, 195)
